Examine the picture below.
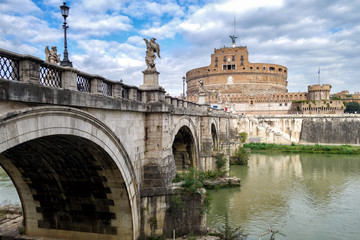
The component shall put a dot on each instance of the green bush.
(241, 156)
(227, 232)
(333, 149)
(243, 137)
(352, 107)
(220, 160)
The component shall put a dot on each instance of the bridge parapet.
(33, 70)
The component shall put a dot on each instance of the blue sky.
(105, 37)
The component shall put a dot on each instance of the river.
(8, 193)
(307, 196)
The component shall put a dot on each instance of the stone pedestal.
(202, 98)
(151, 80)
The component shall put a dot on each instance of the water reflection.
(8, 193)
(312, 196)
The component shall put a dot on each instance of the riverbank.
(10, 220)
(296, 148)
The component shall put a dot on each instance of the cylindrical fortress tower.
(231, 73)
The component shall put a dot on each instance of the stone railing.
(33, 70)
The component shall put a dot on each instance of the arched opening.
(214, 137)
(184, 149)
(69, 187)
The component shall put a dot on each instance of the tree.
(352, 107)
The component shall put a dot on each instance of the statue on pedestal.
(201, 87)
(151, 48)
(51, 55)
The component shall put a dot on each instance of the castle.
(233, 83)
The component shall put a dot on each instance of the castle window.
(229, 67)
(285, 104)
(233, 58)
(264, 68)
(280, 69)
(280, 104)
(224, 58)
(216, 65)
(272, 69)
(242, 58)
(216, 59)
(242, 63)
(251, 68)
(243, 68)
(284, 71)
(257, 68)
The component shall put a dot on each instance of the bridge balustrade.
(107, 88)
(50, 75)
(9, 68)
(30, 69)
(83, 84)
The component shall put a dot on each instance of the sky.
(105, 37)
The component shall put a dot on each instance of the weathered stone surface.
(222, 182)
(285, 129)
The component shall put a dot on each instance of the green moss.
(220, 160)
(243, 136)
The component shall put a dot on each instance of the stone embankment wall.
(287, 129)
(337, 130)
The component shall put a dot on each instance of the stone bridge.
(94, 159)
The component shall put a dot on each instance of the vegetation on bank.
(241, 156)
(352, 107)
(193, 180)
(227, 232)
(333, 149)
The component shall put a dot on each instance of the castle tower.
(231, 74)
(319, 92)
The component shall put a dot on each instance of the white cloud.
(162, 31)
(18, 6)
(100, 25)
(28, 29)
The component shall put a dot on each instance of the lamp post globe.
(65, 13)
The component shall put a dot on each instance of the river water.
(8, 193)
(307, 196)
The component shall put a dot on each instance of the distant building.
(233, 83)
(346, 97)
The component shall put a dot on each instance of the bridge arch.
(185, 144)
(214, 132)
(74, 177)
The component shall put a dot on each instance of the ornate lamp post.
(183, 87)
(65, 13)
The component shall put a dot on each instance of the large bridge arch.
(185, 137)
(77, 140)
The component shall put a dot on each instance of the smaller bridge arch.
(185, 144)
(74, 177)
(214, 131)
